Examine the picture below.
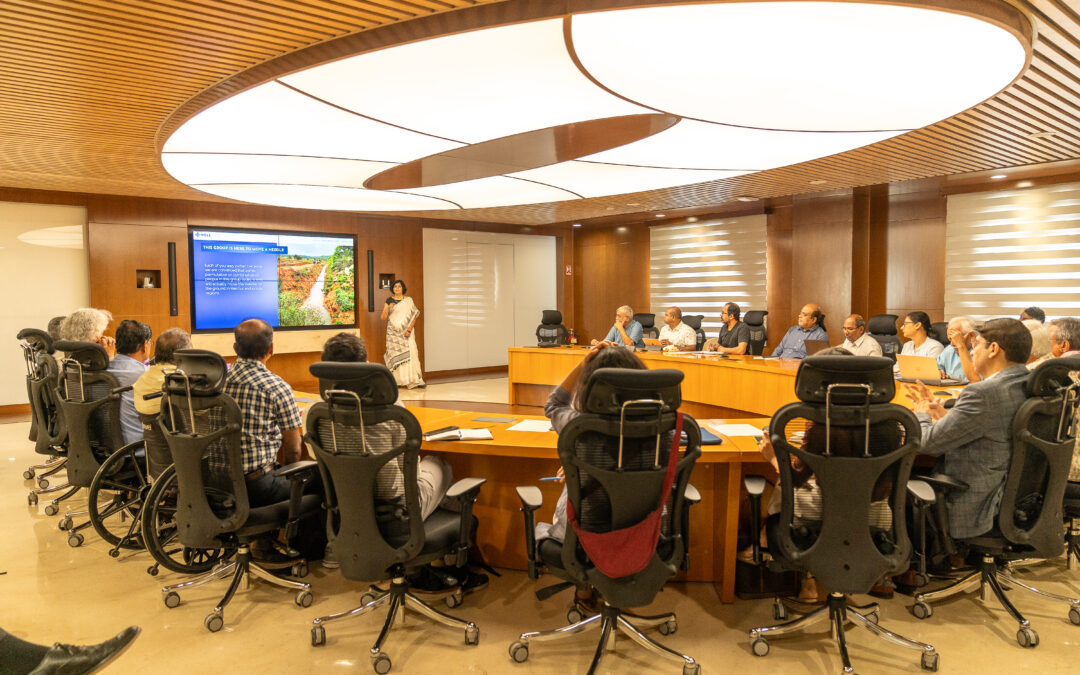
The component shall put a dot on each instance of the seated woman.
(916, 329)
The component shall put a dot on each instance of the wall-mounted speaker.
(370, 280)
(173, 309)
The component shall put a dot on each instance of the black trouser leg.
(19, 657)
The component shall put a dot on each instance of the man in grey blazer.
(974, 438)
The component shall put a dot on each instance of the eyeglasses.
(907, 323)
(805, 314)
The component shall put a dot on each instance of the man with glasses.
(856, 340)
(808, 327)
(734, 334)
(626, 332)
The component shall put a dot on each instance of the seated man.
(1065, 337)
(955, 360)
(1040, 343)
(734, 334)
(808, 327)
(974, 438)
(676, 333)
(626, 332)
(132, 351)
(151, 382)
(856, 339)
(1033, 313)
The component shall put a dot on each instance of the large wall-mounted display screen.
(290, 280)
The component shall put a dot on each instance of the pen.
(548, 478)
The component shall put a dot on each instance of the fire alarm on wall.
(569, 271)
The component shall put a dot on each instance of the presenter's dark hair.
(733, 310)
(167, 344)
(1011, 335)
(1036, 313)
(254, 337)
(923, 318)
(609, 357)
(131, 336)
(404, 288)
(345, 348)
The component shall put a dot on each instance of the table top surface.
(788, 366)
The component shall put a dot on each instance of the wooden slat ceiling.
(85, 87)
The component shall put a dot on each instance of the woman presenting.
(400, 314)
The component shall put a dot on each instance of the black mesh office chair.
(858, 449)
(694, 321)
(882, 327)
(648, 325)
(1029, 522)
(940, 332)
(551, 332)
(615, 456)
(1072, 538)
(755, 320)
(357, 432)
(89, 398)
(47, 429)
(201, 425)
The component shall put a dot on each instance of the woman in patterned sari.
(400, 314)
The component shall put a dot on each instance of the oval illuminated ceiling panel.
(740, 87)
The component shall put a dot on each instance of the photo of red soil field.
(316, 291)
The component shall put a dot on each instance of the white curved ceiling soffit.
(754, 85)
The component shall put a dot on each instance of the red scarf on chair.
(620, 553)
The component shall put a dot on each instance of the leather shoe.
(78, 659)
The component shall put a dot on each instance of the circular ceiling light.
(439, 123)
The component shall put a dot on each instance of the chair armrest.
(121, 390)
(466, 490)
(755, 485)
(940, 481)
(463, 487)
(290, 469)
(922, 491)
(298, 474)
(530, 496)
(691, 494)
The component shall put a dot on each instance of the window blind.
(701, 266)
(1010, 249)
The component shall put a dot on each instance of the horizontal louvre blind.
(701, 266)
(1011, 249)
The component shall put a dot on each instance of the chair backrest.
(940, 332)
(755, 320)
(882, 327)
(91, 411)
(648, 325)
(47, 430)
(201, 426)
(357, 433)
(859, 448)
(551, 332)
(158, 457)
(1044, 436)
(615, 457)
(694, 321)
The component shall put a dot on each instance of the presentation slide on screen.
(287, 280)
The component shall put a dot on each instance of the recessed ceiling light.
(746, 198)
(998, 176)
(1024, 184)
(620, 229)
(633, 204)
(611, 208)
(659, 215)
(577, 224)
(818, 181)
(692, 219)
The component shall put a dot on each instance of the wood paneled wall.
(915, 278)
(611, 269)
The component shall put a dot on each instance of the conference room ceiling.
(87, 90)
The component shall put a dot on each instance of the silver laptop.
(923, 369)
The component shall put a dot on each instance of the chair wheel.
(921, 610)
(669, 627)
(691, 669)
(454, 599)
(214, 622)
(930, 661)
(1027, 637)
(760, 647)
(64, 523)
(573, 615)
(519, 651)
(381, 664)
(318, 636)
(367, 597)
(75, 540)
(1074, 616)
(300, 570)
(172, 599)
(304, 598)
(43, 482)
(31, 499)
(779, 611)
(472, 634)
(50, 509)
(28, 474)
(114, 553)
(152, 570)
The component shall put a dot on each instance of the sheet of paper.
(734, 430)
(531, 425)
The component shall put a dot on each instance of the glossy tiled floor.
(53, 592)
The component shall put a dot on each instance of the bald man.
(676, 333)
(809, 326)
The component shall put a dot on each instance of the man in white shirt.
(677, 333)
(856, 340)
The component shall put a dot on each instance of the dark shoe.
(883, 591)
(268, 553)
(429, 580)
(77, 659)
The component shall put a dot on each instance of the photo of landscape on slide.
(315, 290)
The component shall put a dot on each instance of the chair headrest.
(608, 388)
(646, 319)
(1051, 375)
(816, 373)
(551, 317)
(693, 320)
(372, 382)
(39, 339)
(90, 355)
(882, 324)
(754, 317)
(204, 370)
